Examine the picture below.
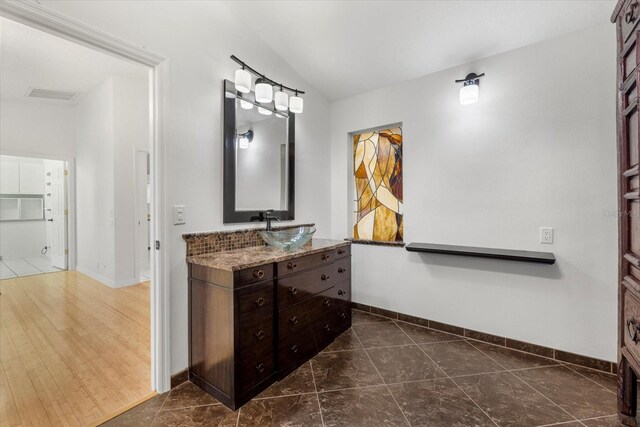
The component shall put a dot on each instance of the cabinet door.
(9, 177)
(31, 178)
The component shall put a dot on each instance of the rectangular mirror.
(259, 153)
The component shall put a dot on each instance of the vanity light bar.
(267, 79)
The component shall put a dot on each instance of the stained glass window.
(378, 185)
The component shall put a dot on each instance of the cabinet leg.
(627, 393)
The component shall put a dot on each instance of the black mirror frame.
(230, 214)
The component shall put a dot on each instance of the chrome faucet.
(268, 217)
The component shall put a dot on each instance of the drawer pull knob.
(293, 320)
(260, 302)
(259, 274)
(327, 328)
(260, 368)
(341, 270)
(633, 329)
(292, 266)
(294, 348)
(260, 335)
(341, 292)
(629, 16)
(325, 257)
(343, 315)
(340, 251)
(324, 277)
(293, 290)
(327, 303)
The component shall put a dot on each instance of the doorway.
(34, 16)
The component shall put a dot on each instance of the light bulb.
(264, 91)
(469, 94)
(281, 100)
(243, 81)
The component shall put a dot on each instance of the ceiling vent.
(60, 95)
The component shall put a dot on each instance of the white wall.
(112, 122)
(198, 38)
(95, 224)
(539, 149)
(131, 132)
(36, 127)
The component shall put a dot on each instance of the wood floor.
(72, 350)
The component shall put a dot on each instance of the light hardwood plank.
(72, 350)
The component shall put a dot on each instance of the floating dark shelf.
(506, 254)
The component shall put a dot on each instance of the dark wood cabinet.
(252, 327)
(626, 18)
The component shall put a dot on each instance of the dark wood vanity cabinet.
(626, 17)
(250, 328)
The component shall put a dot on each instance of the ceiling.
(32, 58)
(348, 47)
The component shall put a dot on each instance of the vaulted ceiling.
(348, 47)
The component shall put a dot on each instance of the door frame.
(36, 16)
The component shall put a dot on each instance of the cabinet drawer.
(255, 368)
(629, 18)
(296, 349)
(332, 325)
(254, 275)
(298, 287)
(257, 336)
(296, 317)
(631, 316)
(322, 258)
(255, 303)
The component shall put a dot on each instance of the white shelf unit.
(21, 208)
(9, 209)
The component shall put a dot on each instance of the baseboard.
(108, 282)
(179, 378)
(551, 353)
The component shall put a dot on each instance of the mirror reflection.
(261, 158)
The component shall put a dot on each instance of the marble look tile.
(344, 369)
(574, 393)
(511, 359)
(406, 363)
(509, 401)
(298, 382)
(212, 415)
(366, 407)
(358, 317)
(607, 381)
(421, 335)
(612, 421)
(460, 358)
(141, 415)
(187, 395)
(346, 341)
(381, 335)
(438, 403)
(300, 410)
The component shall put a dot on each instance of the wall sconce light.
(243, 80)
(244, 139)
(264, 91)
(469, 91)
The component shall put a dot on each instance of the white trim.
(105, 281)
(36, 16)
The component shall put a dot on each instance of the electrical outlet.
(546, 235)
(178, 215)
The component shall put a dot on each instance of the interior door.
(59, 216)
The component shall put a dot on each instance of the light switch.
(178, 214)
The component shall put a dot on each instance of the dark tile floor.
(389, 373)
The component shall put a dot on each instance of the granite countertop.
(239, 259)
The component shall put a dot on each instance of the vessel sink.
(289, 238)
